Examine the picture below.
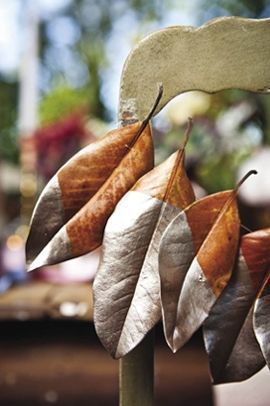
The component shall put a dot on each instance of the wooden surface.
(62, 363)
(36, 300)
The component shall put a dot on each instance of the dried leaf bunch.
(165, 254)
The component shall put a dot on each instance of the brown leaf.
(84, 231)
(126, 289)
(234, 353)
(74, 184)
(207, 230)
(179, 245)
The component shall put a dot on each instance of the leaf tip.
(56, 251)
(34, 265)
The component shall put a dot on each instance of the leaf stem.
(187, 132)
(149, 115)
(236, 189)
(244, 178)
(154, 107)
(245, 228)
(179, 157)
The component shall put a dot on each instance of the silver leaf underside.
(127, 288)
(175, 256)
(234, 353)
(47, 218)
(195, 301)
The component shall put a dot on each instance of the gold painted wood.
(228, 52)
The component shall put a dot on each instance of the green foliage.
(9, 149)
(201, 143)
(8, 112)
(93, 55)
(218, 173)
(61, 101)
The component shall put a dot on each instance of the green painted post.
(137, 375)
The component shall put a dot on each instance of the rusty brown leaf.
(74, 184)
(83, 232)
(127, 289)
(72, 211)
(197, 255)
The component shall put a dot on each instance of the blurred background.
(60, 68)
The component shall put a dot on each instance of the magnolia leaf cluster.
(164, 256)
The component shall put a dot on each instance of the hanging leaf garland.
(234, 353)
(195, 262)
(197, 255)
(126, 288)
(83, 232)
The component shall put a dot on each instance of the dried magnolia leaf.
(84, 231)
(261, 320)
(190, 287)
(178, 247)
(234, 353)
(126, 289)
(74, 184)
